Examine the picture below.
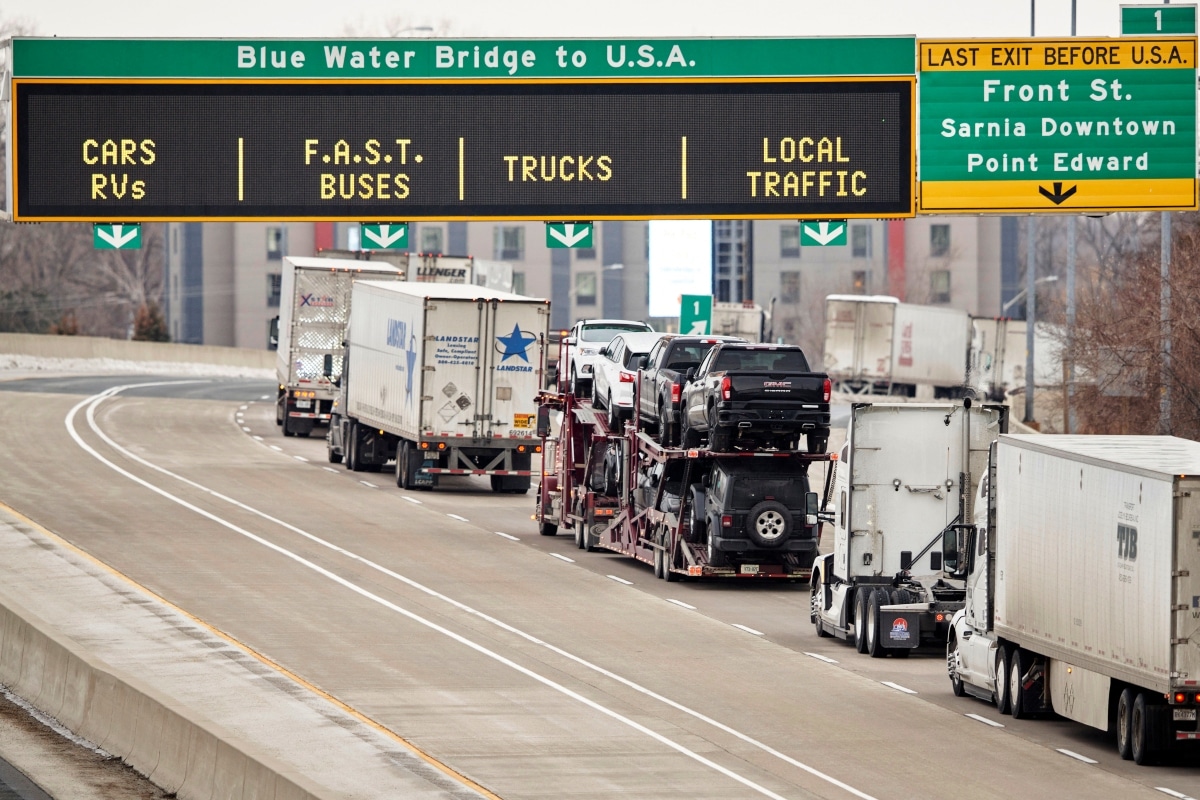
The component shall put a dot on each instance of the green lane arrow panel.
(116, 237)
(1158, 20)
(569, 234)
(695, 314)
(826, 233)
(383, 235)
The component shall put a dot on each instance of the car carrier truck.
(907, 473)
(1083, 586)
(314, 309)
(443, 379)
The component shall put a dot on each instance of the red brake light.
(1180, 697)
(675, 392)
(827, 390)
(727, 521)
(727, 388)
(626, 377)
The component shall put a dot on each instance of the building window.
(510, 243)
(860, 241)
(518, 286)
(789, 241)
(585, 288)
(585, 254)
(939, 286)
(274, 288)
(859, 280)
(939, 240)
(431, 239)
(274, 243)
(789, 287)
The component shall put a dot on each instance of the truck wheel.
(1018, 666)
(875, 647)
(1123, 723)
(769, 523)
(288, 430)
(1139, 731)
(720, 440)
(279, 403)
(334, 456)
(353, 449)
(405, 477)
(860, 619)
(818, 442)
(658, 562)
(690, 438)
(580, 533)
(716, 557)
(954, 666)
(547, 529)
(1003, 699)
(497, 482)
(697, 523)
(668, 559)
(815, 606)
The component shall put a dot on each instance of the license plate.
(304, 404)
(748, 569)
(1185, 715)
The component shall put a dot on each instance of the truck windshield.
(605, 333)
(761, 361)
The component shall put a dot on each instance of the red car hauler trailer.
(688, 512)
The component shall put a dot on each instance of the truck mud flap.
(899, 629)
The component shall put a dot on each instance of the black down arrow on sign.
(1058, 195)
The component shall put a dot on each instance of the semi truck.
(314, 308)
(745, 320)
(1082, 572)
(907, 473)
(443, 379)
(688, 512)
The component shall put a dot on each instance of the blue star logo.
(411, 357)
(516, 343)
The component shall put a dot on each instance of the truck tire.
(333, 455)
(668, 575)
(1140, 731)
(580, 534)
(658, 562)
(689, 438)
(769, 523)
(716, 557)
(1123, 723)
(818, 442)
(547, 529)
(816, 605)
(1003, 699)
(406, 476)
(875, 648)
(497, 482)
(860, 619)
(720, 440)
(279, 402)
(1018, 666)
(953, 666)
(614, 415)
(698, 525)
(287, 422)
(353, 449)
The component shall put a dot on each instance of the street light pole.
(1030, 312)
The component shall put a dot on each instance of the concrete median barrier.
(94, 347)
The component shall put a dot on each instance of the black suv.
(752, 505)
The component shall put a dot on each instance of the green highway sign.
(383, 235)
(695, 314)
(116, 237)
(825, 233)
(422, 59)
(1073, 125)
(1158, 20)
(569, 234)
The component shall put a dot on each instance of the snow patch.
(14, 365)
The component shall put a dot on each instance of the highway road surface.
(517, 664)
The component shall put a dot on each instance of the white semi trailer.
(907, 473)
(1083, 586)
(443, 378)
(314, 307)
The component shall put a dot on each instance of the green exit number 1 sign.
(1164, 19)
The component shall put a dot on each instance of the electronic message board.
(464, 133)
(1037, 125)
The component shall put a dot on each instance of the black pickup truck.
(756, 396)
(660, 382)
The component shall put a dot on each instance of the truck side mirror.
(691, 373)
(643, 361)
(327, 369)
(950, 550)
(543, 421)
(812, 506)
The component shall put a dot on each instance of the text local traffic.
(779, 181)
(1099, 90)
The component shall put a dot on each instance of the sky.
(567, 18)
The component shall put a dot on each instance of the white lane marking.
(276, 447)
(1076, 756)
(247, 430)
(784, 757)
(820, 657)
(507, 536)
(1174, 793)
(984, 720)
(748, 630)
(243, 408)
(258, 438)
(620, 580)
(897, 687)
(403, 612)
(457, 517)
(331, 469)
(300, 458)
(412, 500)
(369, 485)
(265, 397)
(681, 604)
(563, 558)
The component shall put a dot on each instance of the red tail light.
(726, 521)
(727, 388)
(675, 392)
(827, 390)
(626, 377)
